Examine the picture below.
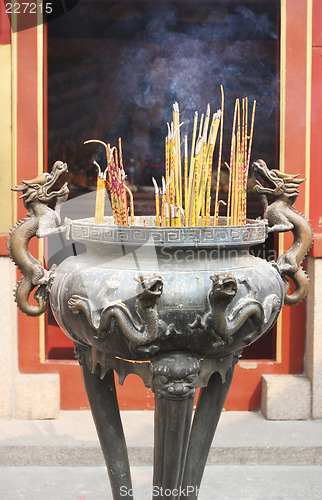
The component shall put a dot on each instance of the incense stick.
(220, 151)
(157, 202)
(186, 197)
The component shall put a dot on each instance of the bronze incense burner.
(175, 306)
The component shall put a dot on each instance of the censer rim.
(86, 231)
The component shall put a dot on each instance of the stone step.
(243, 438)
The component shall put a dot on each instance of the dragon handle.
(282, 188)
(40, 221)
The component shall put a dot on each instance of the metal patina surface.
(174, 306)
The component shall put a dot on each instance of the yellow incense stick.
(233, 169)
(176, 177)
(251, 136)
(220, 151)
(192, 163)
(201, 125)
(202, 187)
(101, 186)
(220, 202)
(100, 199)
(195, 215)
(167, 159)
(157, 202)
(177, 125)
(181, 216)
(229, 193)
(172, 168)
(131, 203)
(172, 221)
(186, 198)
(121, 182)
(216, 120)
(167, 218)
(165, 201)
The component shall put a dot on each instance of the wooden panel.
(3, 244)
(316, 143)
(5, 143)
(317, 27)
(5, 28)
(294, 109)
(316, 130)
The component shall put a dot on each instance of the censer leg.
(209, 407)
(172, 426)
(174, 383)
(105, 410)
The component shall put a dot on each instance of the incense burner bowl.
(175, 306)
(145, 290)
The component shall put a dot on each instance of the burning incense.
(220, 152)
(131, 203)
(240, 153)
(196, 180)
(164, 203)
(186, 198)
(229, 194)
(181, 215)
(204, 172)
(192, 165)
(167, 153)
(101, 185)
(115, 184)
(213, 136)
(167, 218)
(100, 195)
(123, 193)
(220, 202)
(157, 202)
(177, 125)
(195, 215)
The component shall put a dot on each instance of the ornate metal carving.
(222, 235)
(223, 322)
(282, 217)
(40, 221)
(175, 376)
(149, 327)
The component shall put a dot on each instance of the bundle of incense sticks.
(241, 144)
(113, 179)
(196, 188)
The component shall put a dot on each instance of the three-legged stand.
(181, 442)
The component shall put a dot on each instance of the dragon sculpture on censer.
(41, 221)
(282, 217)
(224, 323)
(149, 290)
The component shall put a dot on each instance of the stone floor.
(250, 458)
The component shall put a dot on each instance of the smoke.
(146, 55)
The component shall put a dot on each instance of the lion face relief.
(175, 376)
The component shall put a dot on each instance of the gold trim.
(282, 85)
(308, 105)
(281, 153)
(40, 90)
(14, 97)
(40, 137)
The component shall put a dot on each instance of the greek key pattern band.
(250, 234)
